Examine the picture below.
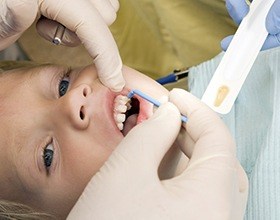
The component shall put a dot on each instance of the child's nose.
(75, 105)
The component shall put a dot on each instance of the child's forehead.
(11, 80)
(19, 75)
(18, 71)
(15, 83)
(12, 68)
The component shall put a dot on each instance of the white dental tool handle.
(238, 59)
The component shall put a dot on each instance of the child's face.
(53, 139)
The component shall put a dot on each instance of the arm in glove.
(212, 186)
(86, 21)
(238, 9)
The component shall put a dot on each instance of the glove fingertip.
(165, 121)
(116, 85)
(167, 110)
(152, 138)
(271, 42)
(114, 82)
(225, 42)
(115, 4)
(237, 9)
(272, 27)
(272, 19)
(185, 101)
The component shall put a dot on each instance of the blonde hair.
(6, 65)
(16, 211)
(12, 210)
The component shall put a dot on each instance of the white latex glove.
(213, 185)
(86, 21)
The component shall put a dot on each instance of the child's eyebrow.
(46, 67)
(49, 75)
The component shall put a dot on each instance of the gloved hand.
(86, 21)
(213, 185)
(239, 8)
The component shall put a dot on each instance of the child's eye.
(48, 156)
(63, 86)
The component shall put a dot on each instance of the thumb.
(271, 41)
(16, 17)
(272, 19)
(225, 42)
(206, 129)
(131, 166)
(147, 143)
(237, 9)
(94, 34)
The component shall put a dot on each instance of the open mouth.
(126, 113)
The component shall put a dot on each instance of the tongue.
(129, 123)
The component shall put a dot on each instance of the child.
(58, 127)
(62, 169)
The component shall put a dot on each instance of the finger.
(225, 42)
(273, 19)
(6, 42)
(106, 9)
(115, 4)
(16, 17)
(47, 29)
(237, 9)
(213, 164)
(83, 18)
(243, 180)
(185, 142)
(136, 159)
(206, 129)
(147, 143)
(271, 41)
(243, 185)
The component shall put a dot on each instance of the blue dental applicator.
(150, 99)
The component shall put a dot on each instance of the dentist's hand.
(213, 185)
(86, 21)
(238, 9)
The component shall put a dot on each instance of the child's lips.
(141, 111)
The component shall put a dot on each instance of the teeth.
(120, 126)
(121, 105)
(120, 108)
(128, 105)
(121, 98)
(119, 117)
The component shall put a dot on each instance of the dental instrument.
(58, 34)
(173, 77)
(150, 99)
(236, 63)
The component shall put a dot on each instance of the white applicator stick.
(150, 99)
(236, 63)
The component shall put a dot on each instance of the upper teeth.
(121, 105)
